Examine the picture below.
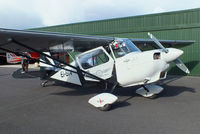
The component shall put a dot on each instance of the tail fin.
(12, 58)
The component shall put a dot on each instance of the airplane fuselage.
(130, 65)
(140, 68)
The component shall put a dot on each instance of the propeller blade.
(182, 66)
(178, 62)
(157, 42)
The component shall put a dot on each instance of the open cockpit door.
(97, 62)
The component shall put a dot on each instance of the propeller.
(181, 65)
(157, 42)
(177, 61)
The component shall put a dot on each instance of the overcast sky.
(24, 14)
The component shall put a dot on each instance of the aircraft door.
(97, 62)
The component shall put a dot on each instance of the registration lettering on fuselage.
(65, 73)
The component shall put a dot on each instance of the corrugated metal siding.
(181, 25)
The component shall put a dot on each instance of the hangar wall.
(179, 25)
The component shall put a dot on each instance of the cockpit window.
(93, 59)
(123, 47)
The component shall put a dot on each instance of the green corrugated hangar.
(179, 25)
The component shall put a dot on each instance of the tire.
(44, 84)
(153, 96)
(105, 107)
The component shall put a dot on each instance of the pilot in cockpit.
(117, 48)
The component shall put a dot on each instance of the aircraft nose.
(172, 54)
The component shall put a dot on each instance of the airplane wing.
(143, 43)
(165, 42)
(43, 40)
(17, 41)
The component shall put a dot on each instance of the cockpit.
(121, 47)
(106, 55)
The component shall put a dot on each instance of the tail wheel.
(44, 84)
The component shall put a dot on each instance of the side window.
(119, 49)
(92, 59)
(117, 53)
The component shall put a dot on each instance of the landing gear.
(105, 107)
(44, 83)
(103, 101)
(113, 87)
(153, 96)
(146, 89)
(149, 91)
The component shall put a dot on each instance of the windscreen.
(123, 47)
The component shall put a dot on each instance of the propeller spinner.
(177, 61)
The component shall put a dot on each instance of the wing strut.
(79, 71)
(19, 54)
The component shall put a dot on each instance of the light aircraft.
(13, 58)
(111, 61)
(10, 58)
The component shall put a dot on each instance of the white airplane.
(110, 61)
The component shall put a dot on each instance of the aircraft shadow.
(191, 65)
(127, 93)
(30, 74)
(170, 91)
(77, 90)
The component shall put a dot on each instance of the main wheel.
(44, 84)
(105, 107)
(153, 96)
